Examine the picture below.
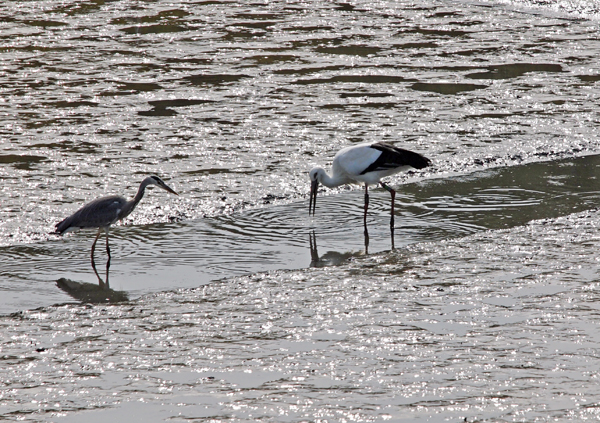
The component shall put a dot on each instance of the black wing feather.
(392, 157)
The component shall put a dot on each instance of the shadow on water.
(193, 253)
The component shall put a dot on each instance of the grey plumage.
(103, 212)
(100, 213)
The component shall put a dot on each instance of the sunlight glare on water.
(188, 254)
(232, 105)
(229, 302)
(461, 328)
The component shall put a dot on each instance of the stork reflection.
(330, 258)
(366, 234)
(335, 258)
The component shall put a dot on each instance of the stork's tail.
(417, 160)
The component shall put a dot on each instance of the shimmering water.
(480, 305)
(188, 254)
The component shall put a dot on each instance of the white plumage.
(365, 163)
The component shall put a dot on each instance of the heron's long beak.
(167, 188)
(312, 205)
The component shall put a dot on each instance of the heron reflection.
(90, 292)
(103, 212)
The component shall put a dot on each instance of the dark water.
(482, 303)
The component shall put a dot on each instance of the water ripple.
(234, 304)
(223, 98)
(471, 321)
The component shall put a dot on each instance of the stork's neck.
(332, 181)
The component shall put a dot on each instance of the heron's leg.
(393, 194)
(100, 282)
(107, 261)
(366, 240)
(366, 206)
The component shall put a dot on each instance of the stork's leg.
(100, 282)
(366, 205)
(393, 194)
(107, 261)
(314, 254)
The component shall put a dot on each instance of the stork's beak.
(167, 188)
(312, 205)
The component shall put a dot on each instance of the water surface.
(480, 306)
(188, 254)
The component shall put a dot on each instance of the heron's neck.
(131, 204)
(140, 194)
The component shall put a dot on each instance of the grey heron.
(366, 163)
(103, 212)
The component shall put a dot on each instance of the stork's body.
(366, 163)
(103, 212)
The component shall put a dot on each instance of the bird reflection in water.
(330, 258)
(91, 292)
(334, 258)
(366, 233)
(103, 212)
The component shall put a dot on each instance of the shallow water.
(495, 326)
(193, 253)
(480, 305)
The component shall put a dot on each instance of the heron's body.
(103, 212)
(366, 163)
(87, 217)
